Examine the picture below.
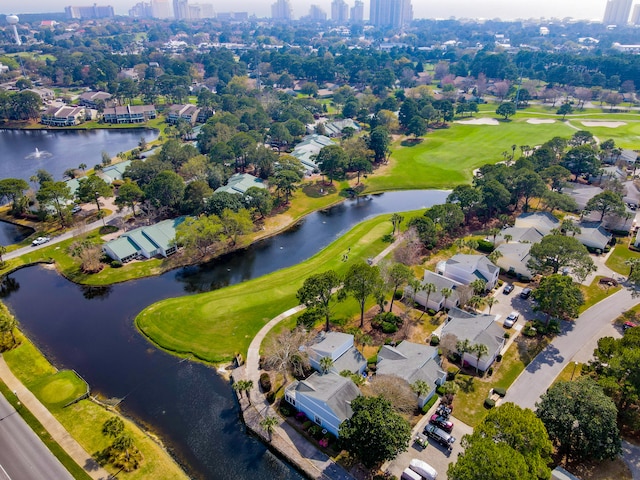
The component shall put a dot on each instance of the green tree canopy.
(486, 459)
(129, 193)
(375, 432)
(506, 109)
(12, 189)
(318, 290)
(55, 195)
(332, 161)
(558, 296)
(606, 203)
(165, 190)
(448, 215)
(91, 188)
(555, 252)
(198, 235)
(581, 420)
(361, 281)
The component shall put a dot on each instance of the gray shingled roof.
(473, 262)
(410, 361)
(544, 222)
(336, 391)
(440, 282)
(475, 328)
(521, 234)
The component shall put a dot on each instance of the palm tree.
(421, 387)
(480, 350)
(446, 293)
(396, 220)
(3, 250)
(494, 256)
(475, 302)
(569, 225)
(268, 424)
(508, 238)
(248, 386)
(494, 233)
(325, 364)
(82, 166)
(428, 288)
(632, 263)
(491, 301)
(463, 346)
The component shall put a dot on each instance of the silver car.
(511, 319)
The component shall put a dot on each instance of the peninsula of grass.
(447, 157)
(618, 258)
(84, 419)
(215, 326)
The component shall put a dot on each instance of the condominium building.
(317, 14)
(617, 12)
(281, 10)
(181, 9)
(160, 8)
(339, 11)
(94, 11)
(391, 13)
(635, 16)
(357, 12)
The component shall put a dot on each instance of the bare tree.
(501, 89)
(410, 250)
(448, 344)
(395, 390)
(285, 355)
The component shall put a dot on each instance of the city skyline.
(505, 9)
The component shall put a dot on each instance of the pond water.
(90, 329)
(12, 233)
(59, 150)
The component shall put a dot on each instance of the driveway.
(543, 370)
(435, 455)
(512, 302)
(631, 456)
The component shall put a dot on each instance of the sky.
(505, 9)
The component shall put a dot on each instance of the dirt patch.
(605, 470)
(540, 121)
(479, 121)
(604, 124)
(318, 189)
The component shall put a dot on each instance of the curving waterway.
(90, 329)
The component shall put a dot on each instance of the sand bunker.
(604, 124)
(540, 121)
(479, 121)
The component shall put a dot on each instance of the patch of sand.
(479, 121)
(604, 124)
(540, 121)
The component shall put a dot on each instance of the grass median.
(214, 326)
(84, 419)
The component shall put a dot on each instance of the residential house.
(467, 268)
(518, 235)
(412, 362)
(592, 235)
(241, 182)
(63, 116)
(114, 172)
(150, 241)
(308, 148)
(46, 94)
(129, 114)
(324, 399)
(477, 329)
(94, 99)
(128, 73)
(188, 113)
(514, 257)
(609, 173)
(340, 349)
(543, 222)
(436, 301)
(334, 129)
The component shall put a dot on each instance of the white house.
(324, 399)
(593, 235)
(436, 301)
(543, 222)
(340, 349)
(478, 329)
(467, 268)
(411, 362)
(151, 241)
(514, 257)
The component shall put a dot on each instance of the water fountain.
(39, 154)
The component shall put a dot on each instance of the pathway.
(631, 455)
(285, 438)
(51, 424)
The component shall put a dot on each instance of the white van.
(409, 474)
(423, 469)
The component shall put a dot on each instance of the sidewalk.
(53, 426)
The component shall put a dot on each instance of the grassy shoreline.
(84, 419)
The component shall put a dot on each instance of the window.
(318, 420)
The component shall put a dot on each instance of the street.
(23, 456)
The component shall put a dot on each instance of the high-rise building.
(201, 10)
(160, 8)
(141, 10)
(357, 12)
(281, 10)
(617, 12)
(635, 16)
(391, 13)
(181, 9)
(339, 11)
(93, 11)
(317, 14)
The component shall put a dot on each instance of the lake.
(62, 149)
(91, 330)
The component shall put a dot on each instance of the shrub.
(435, 340)
(116, 264)
(389, 327)
(265, 382)
(440, 390)
(485, 246)
(499, 357)
(398, 295)
(306, 425)
(489, 403)
(301, 417)
(324, 442)
(489, 371)
(507, 335)
(429, 404)
(500, 391)
(451, 373)
(314, 430)
(271, 397)
(607, 249)
(388, 238)
(431, 312)
(387, 322)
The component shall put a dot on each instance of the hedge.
(427, 406)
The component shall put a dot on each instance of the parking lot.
(510, 303)
(435, 454)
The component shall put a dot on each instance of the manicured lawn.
(216, 325)
(570, 372)
(447, 157)
(595, 293)
(468, 404)
(625, 136)
(83, 420)
(619, 256)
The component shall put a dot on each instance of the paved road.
(631, 454)
(543, 370)
(23, 456)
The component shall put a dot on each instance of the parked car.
(76, 209)
(526, 293)
(442, 422)
(508, 288)
(409, 474)
(440, 436)
(511, 319)
(423, 469)
(627, 325)
(444, 410)
(40, 241)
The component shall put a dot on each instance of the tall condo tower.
(617, 12)
(357, 12)
(13, 21)
(391, 13)
(160, 8)
(339, 11)
(281, 10)
(181, 9)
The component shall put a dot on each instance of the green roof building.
(240, 183)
